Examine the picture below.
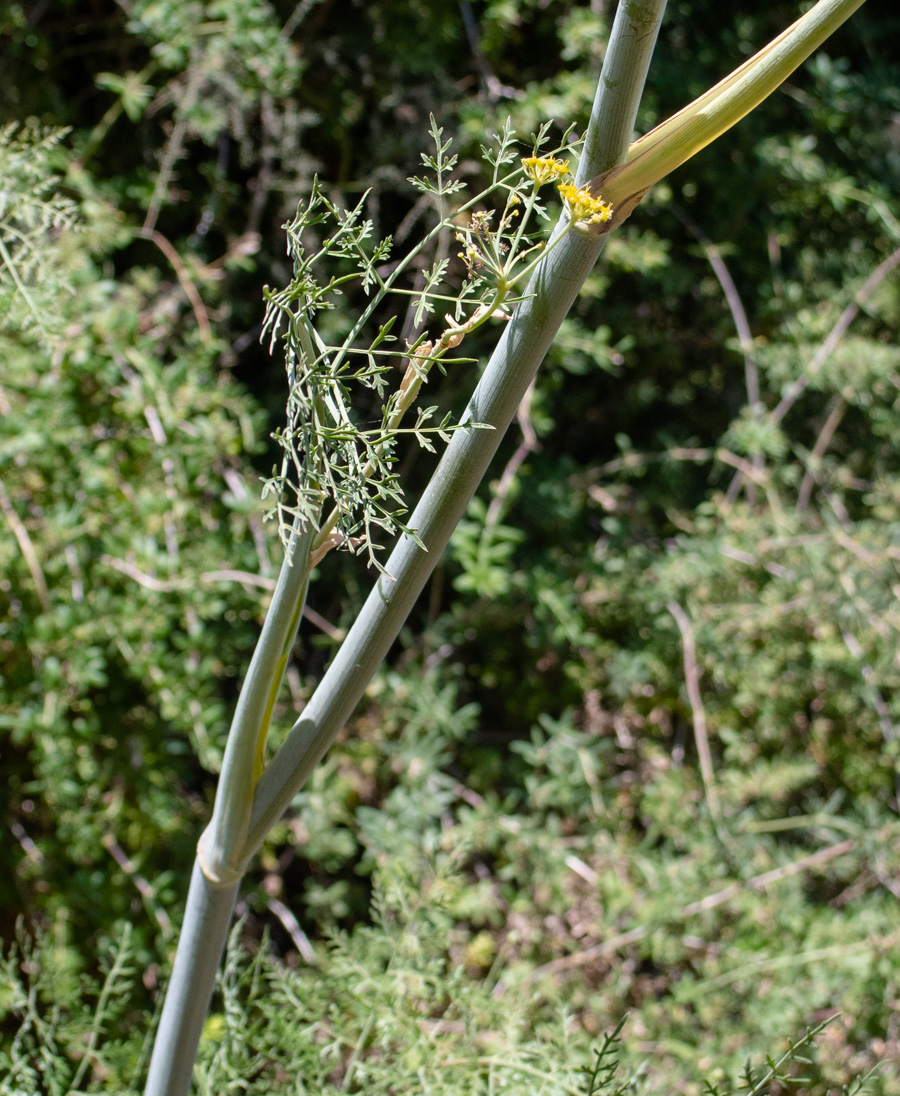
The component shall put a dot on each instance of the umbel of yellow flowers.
(584, 207)
(544, 169)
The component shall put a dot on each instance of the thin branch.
(297, 16)
(710, 902)
(745, 339)
(834, 337)
(30, 849)
(818, 451)
(638, 460)
(733, 299)
(114, 112)
(26, 547)
(190, 290)
(692, 681)
(293, 929)
(528, 445)
(245, 578)
(832, 340)
(744, 466)
(316, 619)
(147, 890)
(158, 586)
(238, 488)
(174, 148)
(20, 285)
(491, 84)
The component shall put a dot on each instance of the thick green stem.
(620, 87)
(701, 122)
(200, 947)
(555, 285)
(217, 872)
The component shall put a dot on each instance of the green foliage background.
(511, 846)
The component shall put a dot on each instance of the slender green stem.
(224, 837)
(20, 285)
(523, 221)
(389, 282)
(526, 271)
(406, 400)
(110, 984)
(100, 130)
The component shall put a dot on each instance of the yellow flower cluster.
(583, 206)
(544, 170)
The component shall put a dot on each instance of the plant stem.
(221, 842)
(555, 285)
(216, 876)
(708, 117)
(239, 827)
(620, 87)
(200, 947)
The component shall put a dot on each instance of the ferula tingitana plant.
(338, 485)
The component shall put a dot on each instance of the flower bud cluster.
(542, 169)
(583, 207)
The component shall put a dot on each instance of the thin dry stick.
(159, 436)
(297, 16)
(28, 846)
(147, 890)
(834, 337)
(738, 314)
(637, 460)
(744, 467)
(818, 451)
(745, 338)
(25, 547)
(711, 901)
(190, 290)
(174, 148)
(238, 488)
(292, 927)
(528, 444)
(245, 578)
(741, 325)
(692, 680)
(262, 186)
